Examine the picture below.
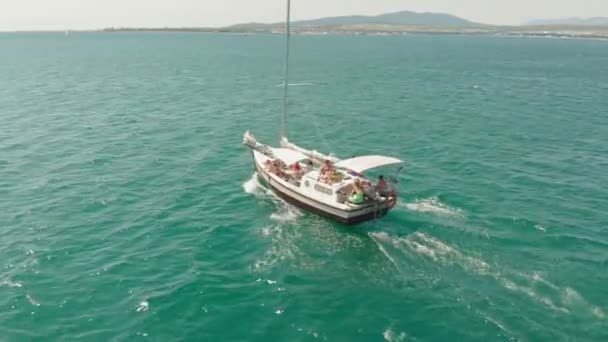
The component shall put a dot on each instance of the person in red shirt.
(296, 167)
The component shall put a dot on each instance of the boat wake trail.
(416, 246)
(381, 239)
(434, 206)
(286, 213)
(420, 245)
(284, 246)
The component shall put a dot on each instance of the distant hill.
(597, 21)
(405, 22)
(397, 18)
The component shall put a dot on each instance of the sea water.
(129, 209)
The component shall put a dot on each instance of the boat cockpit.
(337, 185)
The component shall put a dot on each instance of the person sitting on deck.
(326, 171)
(327, 167)
(269, 165)
(382, 186)
(297, 169)
(369, 190)
(296, 166)
(278, 168)
(357, 196)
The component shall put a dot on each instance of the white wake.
(563, 299)
(434, 206)
(252, 185)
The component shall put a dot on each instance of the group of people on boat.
(364, 189)
(275, 166)
(294, 171)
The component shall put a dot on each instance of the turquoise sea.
(129, 210)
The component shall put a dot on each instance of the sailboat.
(322, 184)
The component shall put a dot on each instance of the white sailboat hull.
(293, 195)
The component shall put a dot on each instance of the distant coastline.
(406, 22)
(403, 23)
(515, 31)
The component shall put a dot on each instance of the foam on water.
(289, 240)
(252, 185)
(562, 299)
(571, 296)
(391, 336)
(383, 237)
(438, 251)
(143, 306)
(286, 213)
(283, 246)
(266, 231)
(537, 278)
(511, 285)
(497, 324)
(434, 206)
(32, 300)
(9, 283)
(599, 313)
(574, 299)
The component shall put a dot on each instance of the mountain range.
(406, 22)
(407, 19)
(396, 18)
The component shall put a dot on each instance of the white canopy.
(287, 156)
(361, 164)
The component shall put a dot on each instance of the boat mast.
(286, 81)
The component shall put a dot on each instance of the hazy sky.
(87, 14)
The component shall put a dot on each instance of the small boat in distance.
(322, 184)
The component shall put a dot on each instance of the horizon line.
(126, 27)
